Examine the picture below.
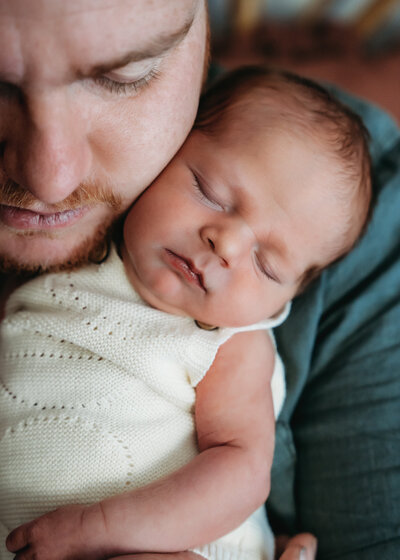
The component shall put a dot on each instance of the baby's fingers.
(25, 554)
(18, 538)
(300, 547)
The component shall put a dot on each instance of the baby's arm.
(235, 430)
(200, 502)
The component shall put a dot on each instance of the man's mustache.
(87, 193)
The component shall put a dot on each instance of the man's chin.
(27, 255)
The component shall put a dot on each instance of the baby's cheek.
(248, 305)
(166, 284)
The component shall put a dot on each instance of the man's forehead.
(91, 34)
(33, 9)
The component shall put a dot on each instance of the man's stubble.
(92, 248)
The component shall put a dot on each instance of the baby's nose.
(230, 242)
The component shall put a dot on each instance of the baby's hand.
(64, 534)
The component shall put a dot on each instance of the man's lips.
(22, 219)
(186, 268)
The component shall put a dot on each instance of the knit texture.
(97, 390)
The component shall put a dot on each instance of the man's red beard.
(92, 248)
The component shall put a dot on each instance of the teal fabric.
(336, 469)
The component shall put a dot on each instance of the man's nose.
(46, 150)
(230, 241)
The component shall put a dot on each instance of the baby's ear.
(309, 276)
(281, 310)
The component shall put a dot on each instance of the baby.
(139, 395)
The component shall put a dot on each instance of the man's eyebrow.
(155, 48)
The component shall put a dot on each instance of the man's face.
(227, 231)
(96, 96)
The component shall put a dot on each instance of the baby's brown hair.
(261, 98)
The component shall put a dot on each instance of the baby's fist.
(58, 535)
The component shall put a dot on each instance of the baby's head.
(271, 186)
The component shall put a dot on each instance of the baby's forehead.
(250, 121)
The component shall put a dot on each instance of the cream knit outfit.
(97, 397)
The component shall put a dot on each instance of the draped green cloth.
(336, 469)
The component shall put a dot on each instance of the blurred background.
(352, 43)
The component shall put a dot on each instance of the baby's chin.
(238, 320)
(198, 313)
